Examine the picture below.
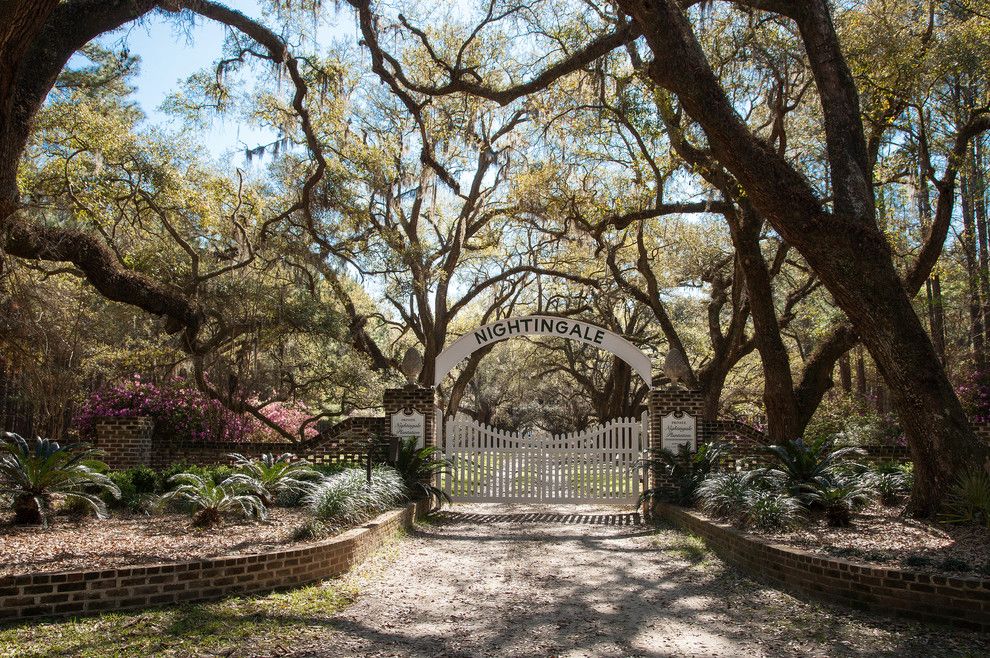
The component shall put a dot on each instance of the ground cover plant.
(815, 497)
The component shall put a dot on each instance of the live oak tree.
(835, 230)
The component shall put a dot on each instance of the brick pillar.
(413, 397)
(126, 442)
(665, 400)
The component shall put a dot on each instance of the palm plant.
(275, 476)
(968, 499)
(839, 495)
(211, 501)
(686, 469)
(419, 468)
(31, 472)
(803, 466)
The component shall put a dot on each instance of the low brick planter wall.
(959, 601)
(73, 593)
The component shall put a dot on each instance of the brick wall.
(76, 593)
(130, 442)
(959, 601)
(126, 442)
(348, 441)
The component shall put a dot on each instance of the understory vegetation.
(41, 477)
(799, 482)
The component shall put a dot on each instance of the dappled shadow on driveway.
(532, 582)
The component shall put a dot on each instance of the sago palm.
(33, 471)
(275, 475)
(211, 500)
(419, 468)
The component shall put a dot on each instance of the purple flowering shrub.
(182, 413)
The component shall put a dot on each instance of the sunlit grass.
(233, 627)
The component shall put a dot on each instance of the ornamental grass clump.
(772, 511)
(32, 472)
(348, 498)
(211, 501)
(725, 495)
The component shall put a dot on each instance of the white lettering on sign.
(406, 424)
(678, 428)
(542, 325)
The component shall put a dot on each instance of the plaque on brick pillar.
(408, 423)
(678, 428)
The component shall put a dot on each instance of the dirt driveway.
(487, 580)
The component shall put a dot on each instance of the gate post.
(665, 400)
(405, 406)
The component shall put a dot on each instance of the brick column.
(665, 400)
(126, 442)
(413, 397)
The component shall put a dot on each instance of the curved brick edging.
(30, 596)
(959, 601)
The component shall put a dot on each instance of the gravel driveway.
(486, 580)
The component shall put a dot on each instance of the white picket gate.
(598, 465)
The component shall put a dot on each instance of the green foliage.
(851, 421)
(211, 501)
(347, 498)
(687, 469)
(32, 472)
(771, 511)
(890, 482)
(419, 468)
(803, 466)
(217, 473)
(839, 495)
(137, 486)
(311, 530)
(968, 499)
(727, 495)
(281, 477)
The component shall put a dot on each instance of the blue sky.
(170, 53)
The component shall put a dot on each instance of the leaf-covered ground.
(500, 581)
(128, 539)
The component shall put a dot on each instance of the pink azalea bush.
(183, 413)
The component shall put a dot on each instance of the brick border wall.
(130, 441)
(958, 601)
(74, 593)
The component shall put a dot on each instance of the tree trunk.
(968, 239)
(778, 384)
(845, 373)
(861, 385)
(978, 202)
(936, 321)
